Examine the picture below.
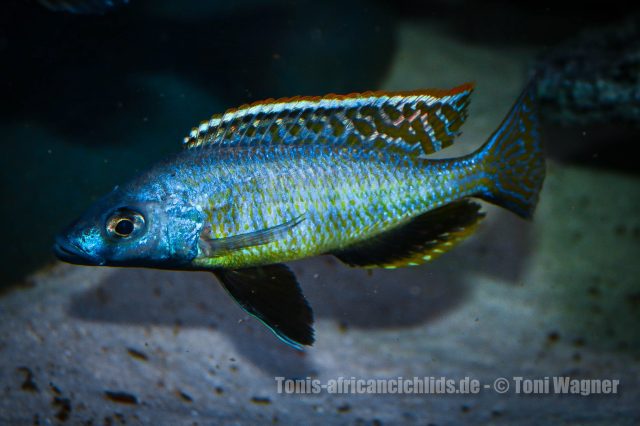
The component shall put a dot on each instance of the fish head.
(133, 228)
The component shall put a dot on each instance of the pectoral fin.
(272, 294)
(216, 246)
(421, 240)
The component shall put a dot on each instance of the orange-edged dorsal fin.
(413, 122)
(421, 240)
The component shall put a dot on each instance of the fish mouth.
(70, 253)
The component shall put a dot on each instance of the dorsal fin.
(410, 123)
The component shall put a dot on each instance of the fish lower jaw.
(71, 254)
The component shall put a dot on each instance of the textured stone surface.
(594, 77)
(558, 296)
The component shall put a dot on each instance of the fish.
(281, 180)
(82, 7)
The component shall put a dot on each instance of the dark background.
(87, 101)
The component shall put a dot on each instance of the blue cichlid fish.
(286, 179)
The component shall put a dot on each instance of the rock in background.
(558, 296)
(594, 77)
(87, 101)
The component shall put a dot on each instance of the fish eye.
(124, 224)
(124, 227)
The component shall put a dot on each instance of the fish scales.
(343, 195)
(354, 181)
(287, 179)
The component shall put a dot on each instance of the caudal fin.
(513, 159)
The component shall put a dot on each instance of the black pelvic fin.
(271, 293)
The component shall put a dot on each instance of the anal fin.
(271, 294)
(422, 239)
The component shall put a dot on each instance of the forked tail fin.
(513, 159)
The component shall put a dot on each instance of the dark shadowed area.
(88, 100)
(409, 297)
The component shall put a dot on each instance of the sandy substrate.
(556, 297)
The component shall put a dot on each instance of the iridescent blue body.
(344, 196)
(288, 179)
